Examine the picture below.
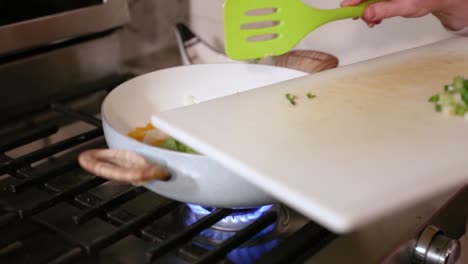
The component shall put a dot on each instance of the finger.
(380, 11)
(373, 24)
(368, 23)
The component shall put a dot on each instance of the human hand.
(453, 14)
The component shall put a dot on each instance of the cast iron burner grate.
(53, 212)
(239, 218)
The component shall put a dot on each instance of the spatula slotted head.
(258, 28)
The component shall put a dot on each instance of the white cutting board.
(370, 143)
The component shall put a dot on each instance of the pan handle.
(309, 61)
(121, 165)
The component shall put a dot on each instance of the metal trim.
(56, 28)
(422, 247)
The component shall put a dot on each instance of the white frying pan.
(183, 177)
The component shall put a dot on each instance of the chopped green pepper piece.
(434, 99)
(451, 96)
(446, 99)
(291, 98)
(173, 144)
(464, 95)
(460, 110)
(311, 96)
(170, 143)
(458, 82)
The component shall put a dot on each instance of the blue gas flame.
(243, 254)
(241, 216)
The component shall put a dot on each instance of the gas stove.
(51, 211)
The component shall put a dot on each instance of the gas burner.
(238, 220)
(248, 252)
(247, 255)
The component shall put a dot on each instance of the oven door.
(28, 24)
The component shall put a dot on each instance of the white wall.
(349, 40)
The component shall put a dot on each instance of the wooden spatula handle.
(121, 165)
(309, 61)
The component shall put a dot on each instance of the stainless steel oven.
(48, 45)
(56, 67)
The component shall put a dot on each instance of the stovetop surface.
(51, 211)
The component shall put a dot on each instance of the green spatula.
(258, 28)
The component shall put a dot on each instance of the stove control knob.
(433, 247)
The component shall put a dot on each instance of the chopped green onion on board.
(454, 99)
(291, 98)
